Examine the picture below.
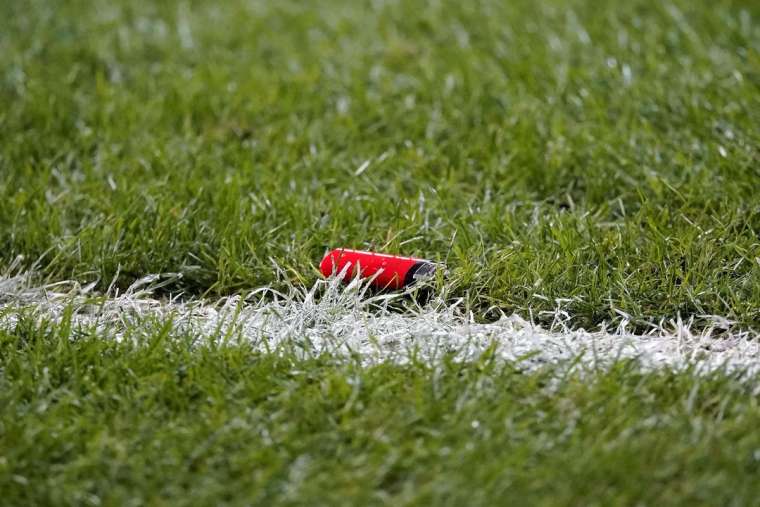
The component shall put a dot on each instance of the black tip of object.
(416, 277)
(420, 271)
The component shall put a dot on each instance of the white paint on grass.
(343, 320)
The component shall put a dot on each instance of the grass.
(598, 156)
(159, 421)
(602, 153)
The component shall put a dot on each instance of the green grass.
(598, 151)
(156, 421)
(603, 156)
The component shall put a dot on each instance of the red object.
(393, 271)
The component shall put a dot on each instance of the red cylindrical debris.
(393, 271)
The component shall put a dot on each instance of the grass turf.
(601, 156)
(601, 153)
(159, 420)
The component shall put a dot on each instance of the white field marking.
(343, 320)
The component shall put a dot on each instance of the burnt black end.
(420, 271)
(416, 277)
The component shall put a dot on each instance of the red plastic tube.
(392, 271)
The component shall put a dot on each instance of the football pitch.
(172, 172)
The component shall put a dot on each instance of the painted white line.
(333, 319)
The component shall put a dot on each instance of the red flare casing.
(393, 271)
